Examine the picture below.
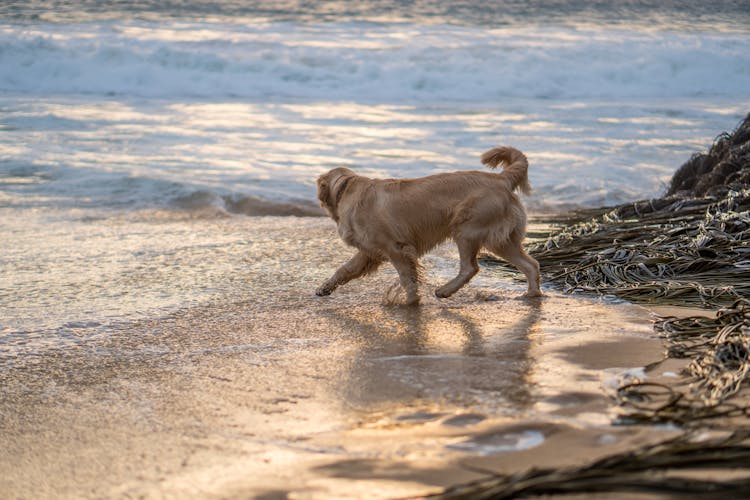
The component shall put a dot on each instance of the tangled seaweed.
(651, 469)
(719, 350)
(673, 250)
(686, 252)
(724, 167)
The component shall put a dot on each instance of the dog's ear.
(324, 193)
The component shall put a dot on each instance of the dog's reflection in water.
(434, 353)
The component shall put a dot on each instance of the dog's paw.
(532, 295)
(323, 291)
(442, 293)
(413, 301)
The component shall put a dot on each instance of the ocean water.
(139, 139)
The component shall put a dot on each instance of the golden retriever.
(402, 219)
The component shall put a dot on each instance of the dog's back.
(428, 210)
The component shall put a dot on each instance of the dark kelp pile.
(718, 351)
(724, 167)
(670, 251)
(689, 248)
(661, 469)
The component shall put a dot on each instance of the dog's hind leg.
(359, 265)
(516, 255)
(467, 251)
(404, 259)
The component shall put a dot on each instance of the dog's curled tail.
(515, 166)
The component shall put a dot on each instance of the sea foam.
(391, 62)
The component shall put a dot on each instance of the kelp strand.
(643, 470)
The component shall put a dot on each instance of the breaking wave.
(202, 201)
(368, 61)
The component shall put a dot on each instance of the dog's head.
(331, 187)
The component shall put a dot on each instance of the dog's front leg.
(405, 262)
(359, 265)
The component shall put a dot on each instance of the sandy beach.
(282, 393)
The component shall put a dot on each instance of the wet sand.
(272, 392)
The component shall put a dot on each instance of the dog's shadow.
(405, 354)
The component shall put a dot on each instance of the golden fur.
(402, 219)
